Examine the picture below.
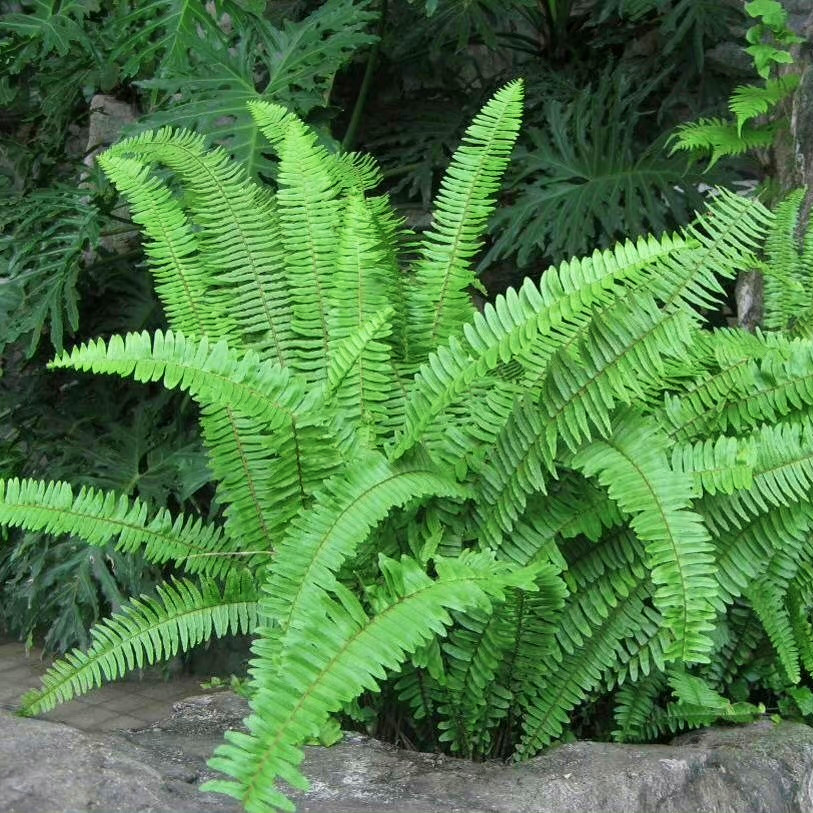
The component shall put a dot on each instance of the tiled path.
(130, 703)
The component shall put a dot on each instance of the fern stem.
(364, 91)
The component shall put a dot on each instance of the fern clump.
(474, 521)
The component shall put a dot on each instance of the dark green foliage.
(585, 163)
(62, 276)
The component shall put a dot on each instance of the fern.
(634, 468)
(332, 664)
(439, 302)
(473, 523)
(100, 518)
(146, 631)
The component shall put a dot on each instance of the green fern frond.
(348, 352)
(721, 464)
(181, 280)
(770, 380)
(148, 630)
(477, 693)
(782, 475)
(357, 172)
(787, 269)
(320, 539)
(636, 713)
(743, 551)
(633, 466)
(256, 418)
(799, 612)
(721, 138)
(213, 375)
(749, 101)
(577, 400)
(740, 639)
(239, 239)
(439, 302)
(340, 652)
(699, 705)
(531, 321)
(309, 218)
(767, 602)
(100, 517)
(549, 695)
(369, 392)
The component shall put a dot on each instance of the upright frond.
(239, 242)
(439, 301)
(183, 283)
(309, 220)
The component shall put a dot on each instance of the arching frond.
(148, 630)
(633, 466)
(213, 375)
(340, 652)
(100, 517)
(636, 712)
(531, 321)
(479, 689)
(320, 539)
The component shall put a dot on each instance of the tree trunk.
(792, 155)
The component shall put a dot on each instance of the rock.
(50, 768)
(108, 118)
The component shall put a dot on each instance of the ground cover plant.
(424, 502)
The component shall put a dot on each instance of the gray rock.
(108, 118)
(761, 768)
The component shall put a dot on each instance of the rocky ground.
(48, 767)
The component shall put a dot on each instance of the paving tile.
(120, 722)
(123, 701)
(9, 693)
(80, 715)
(170, 692)
(12, 650)
(18, 674)
(101, 694)
(133, 703)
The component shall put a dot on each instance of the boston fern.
(469, 522)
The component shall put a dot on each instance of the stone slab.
(51, 768)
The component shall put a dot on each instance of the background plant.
(62, 279)
(770, 40)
